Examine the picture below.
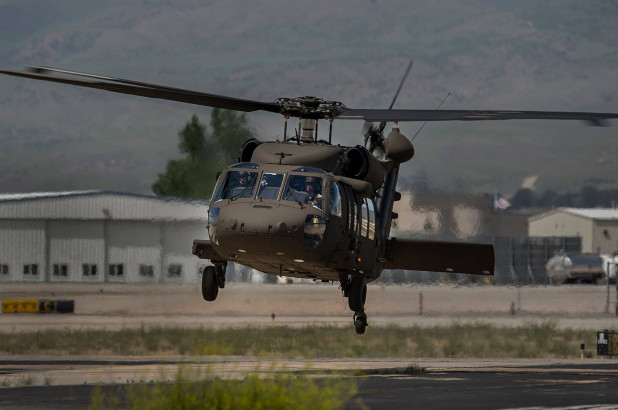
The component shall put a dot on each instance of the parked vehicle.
(575, 268)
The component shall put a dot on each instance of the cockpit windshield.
(237, 184)
(270, 185)
(304, 189)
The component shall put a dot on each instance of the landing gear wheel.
(360, 322)
(357, 294)
(210, 288)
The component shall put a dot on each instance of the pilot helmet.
(310, 182)
(243, 175)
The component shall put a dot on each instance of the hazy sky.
(545, 55)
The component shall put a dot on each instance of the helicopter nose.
(228, 224)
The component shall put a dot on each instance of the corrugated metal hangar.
(99, 236)
(597, 227)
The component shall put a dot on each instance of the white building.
(99, 236)
(597, 227)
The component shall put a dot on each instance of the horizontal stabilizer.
(440, 256)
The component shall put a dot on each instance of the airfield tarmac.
(467, 383)
(116, 306)
(383, 384)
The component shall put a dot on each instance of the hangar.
(99, 236)
(598, 227)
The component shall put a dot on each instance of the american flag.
(501, 203)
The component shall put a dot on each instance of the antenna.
(425, 123)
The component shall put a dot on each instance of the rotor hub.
(310, 107)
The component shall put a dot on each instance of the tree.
(523, 198)
(589, 196)
(193, 139)
(230, 131)
(207, 152)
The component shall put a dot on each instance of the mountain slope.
(546, 55)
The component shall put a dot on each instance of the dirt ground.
(114, 306)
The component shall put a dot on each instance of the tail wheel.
(357, 294)
(210, 288)
(360, 323)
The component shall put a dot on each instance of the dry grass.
(534, 340)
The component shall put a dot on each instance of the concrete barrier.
(38, 306)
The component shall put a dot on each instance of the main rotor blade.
(378, 115)
(150, 90)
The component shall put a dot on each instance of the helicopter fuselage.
(294, 221)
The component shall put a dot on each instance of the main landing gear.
(213, 278)
(356, 292)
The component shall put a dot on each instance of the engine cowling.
(246, 152)
(358, 163)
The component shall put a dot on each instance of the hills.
(545, 55)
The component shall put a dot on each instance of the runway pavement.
(67, 382)
(116, 306)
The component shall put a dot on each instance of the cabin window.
(237, 184)
(4, 269)
(304, 190)
(372, 218)
(335, 199)
(351, 210)
(364, 220)
(270, 186)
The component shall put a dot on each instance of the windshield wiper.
(291, 191)
(240, 193)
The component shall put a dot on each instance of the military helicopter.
(306, 208)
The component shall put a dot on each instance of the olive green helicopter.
(306, 208)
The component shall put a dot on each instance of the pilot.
(313, 195)
(242, 179)
(243, 189)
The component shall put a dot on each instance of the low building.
(456, 215)
(597, 227)
(99, 236)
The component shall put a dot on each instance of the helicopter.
(304, 207)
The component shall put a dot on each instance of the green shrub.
(283, 391)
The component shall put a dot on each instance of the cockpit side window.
(304, 189)
(237, 184)
(335, 199)
(372, 219)
(216, 192)
(270, 186)
(364, 228)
